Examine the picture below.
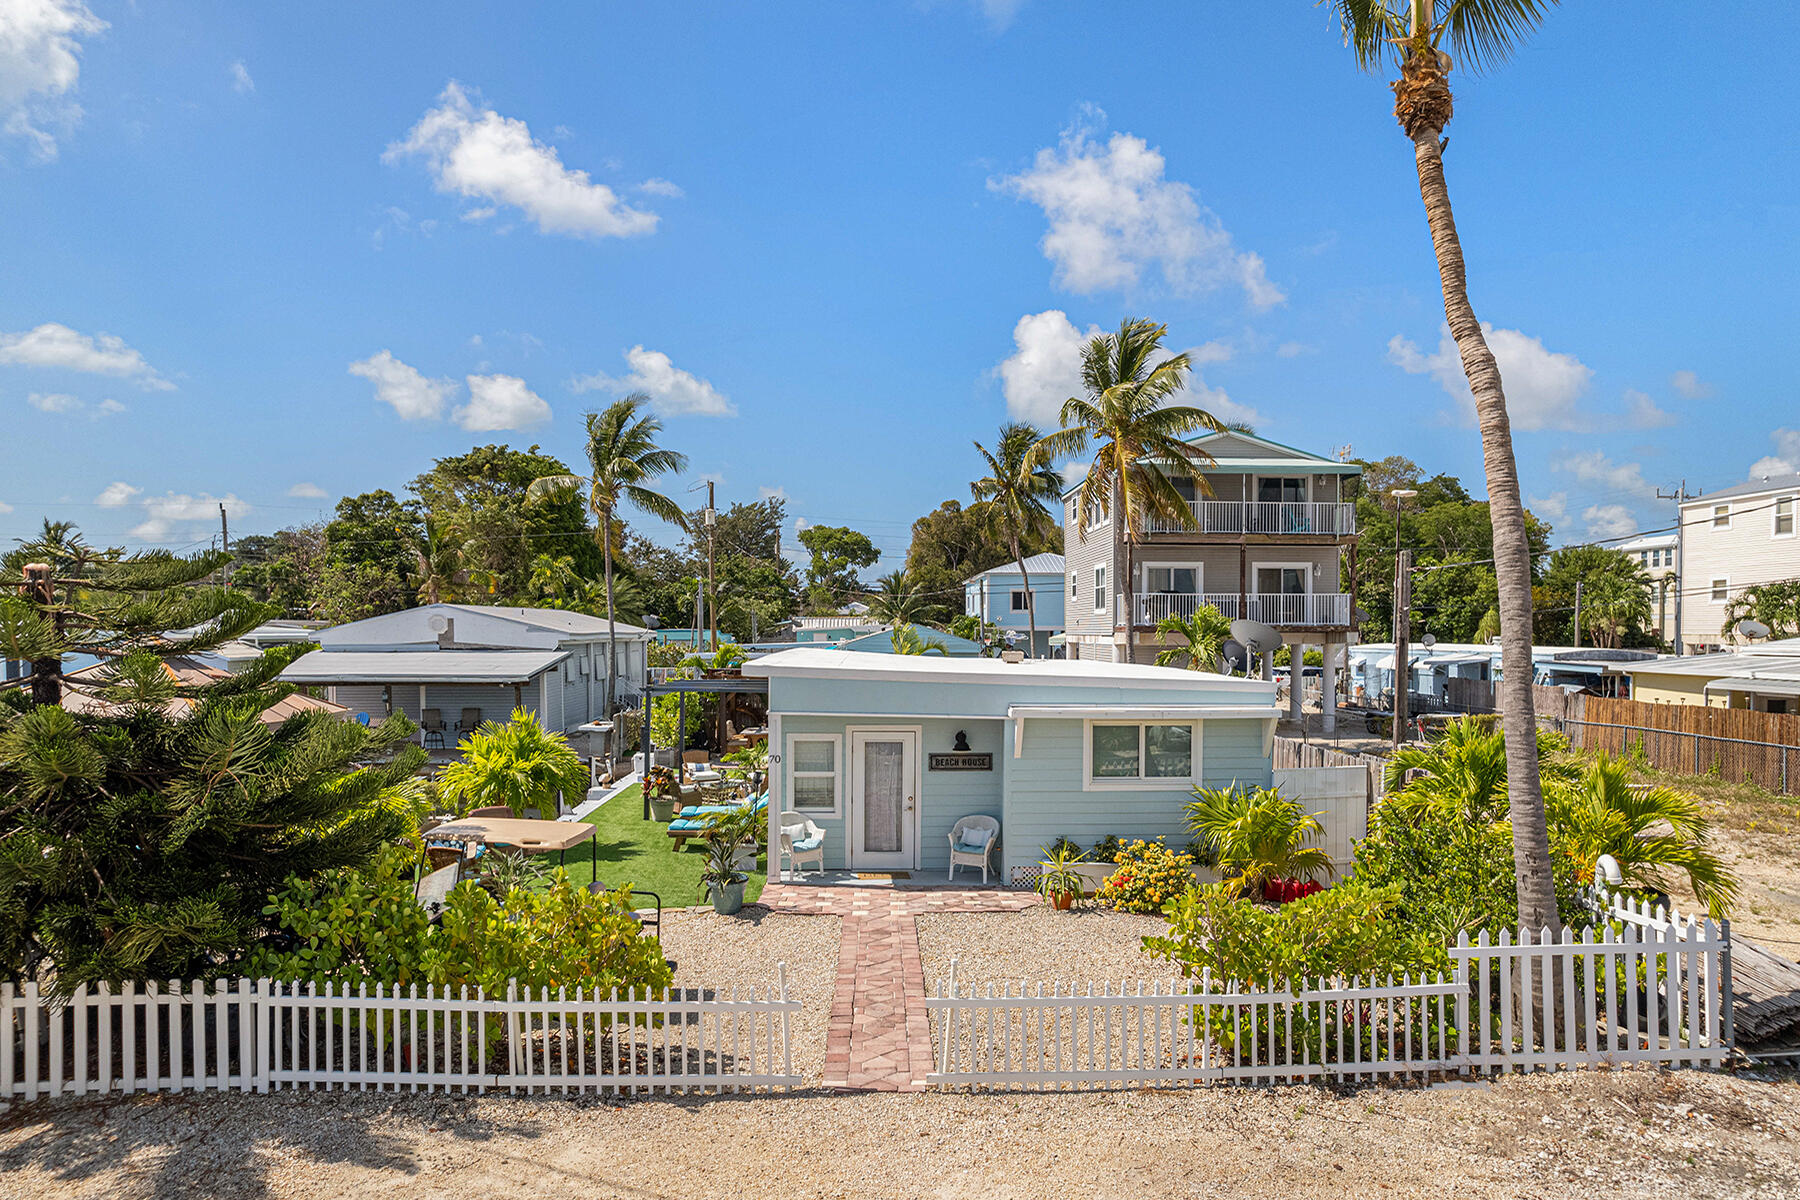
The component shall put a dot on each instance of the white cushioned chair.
(801, 841)
(972, 843)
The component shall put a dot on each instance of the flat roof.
(807, 661)
(421, 666)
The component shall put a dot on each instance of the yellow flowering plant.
(1149, 876)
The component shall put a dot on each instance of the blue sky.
(273, 255)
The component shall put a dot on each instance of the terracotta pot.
(1062, 901)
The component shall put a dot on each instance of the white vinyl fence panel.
(1339, 796)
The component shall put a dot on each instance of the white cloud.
(40, 65)
(1293, 349)
(5, 507)
(53, 402)
(1593, 467)
(241, 83)
(1542, 386)
(1045, 368)
(59, 347)
(1000, 13)
(412, 395)
(1553, 508)
(479, 154)
(1690, 386)
(110, 406)
(117, 495)
(672, 391)
(165, 512)
(501, 402)
(1113, 215)
(772, 493)
(1641, 412)
(1215, 401)
(1207, 353)
(661, 187)
(1785, 460)
(307, 491)
(1609, 521)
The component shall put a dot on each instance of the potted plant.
(721, 879)
(664, 786)
(740, 829)
(1058, 880)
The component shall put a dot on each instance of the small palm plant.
(1058, 880)
(907, 640)
(1203, 637)
(518, 764)
(1257, 836)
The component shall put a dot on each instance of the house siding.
(1747, 553)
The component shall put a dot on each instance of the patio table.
(531, 837)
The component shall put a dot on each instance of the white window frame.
(1199, 570)
(790, 773)
(1714, 589)
(1100, 596)
(1093, 516)
(1018, 599)
(1307, 571)
(1721, 516)
(1792, 514)
(1074, 585)
(1185, 783)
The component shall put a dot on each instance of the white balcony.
(1262, 517)
(1317, 610)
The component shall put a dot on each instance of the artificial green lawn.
(641, 853)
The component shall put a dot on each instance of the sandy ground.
(1630, 1134)
(1087, 944)
(1759, 836)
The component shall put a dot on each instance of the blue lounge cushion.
(809, 843)
(972, 847)
(686, 826)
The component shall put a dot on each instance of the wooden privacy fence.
(1294, 754)
(1657, 992)
(262, 1035)
(1690, 739)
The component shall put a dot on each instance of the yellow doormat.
(884, 875)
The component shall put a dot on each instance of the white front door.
(884, 799)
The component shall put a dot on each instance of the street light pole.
(1402, 616)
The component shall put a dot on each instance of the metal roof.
(1036, 564)
(1781, 684)
(560, 620)
(1756, 487)
(421, 666)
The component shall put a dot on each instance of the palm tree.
(1137, 438)
(622, 455)
(906, 640)
(1257, 836)
(1410, 32)
(898, 600)
(1612, 604)
(440, 556)
(1205, 634)
(1014, 491)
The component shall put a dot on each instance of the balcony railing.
(1262, 516)
(1305, 611)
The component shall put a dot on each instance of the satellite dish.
(1254, 635)
(1428, 641)
(1234, 654)
(652, 621)
(1753, 629)
(437, 622)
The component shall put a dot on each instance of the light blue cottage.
(870, 748)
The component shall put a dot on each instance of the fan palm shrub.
(1203, 636)
(519, 764)
(1258, 835)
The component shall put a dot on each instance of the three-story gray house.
(1273, 531)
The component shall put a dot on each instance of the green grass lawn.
(640, 853)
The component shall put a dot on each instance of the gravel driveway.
(1083, 945)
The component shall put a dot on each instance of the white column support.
(1328, 697)
(1296, 680)
(421, 714)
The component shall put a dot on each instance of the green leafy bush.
(518, 764)
(1149, 876)
(1256, 836)
(347, 927)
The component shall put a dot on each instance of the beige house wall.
(1673, 689)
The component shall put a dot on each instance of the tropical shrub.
(349, 927)
(1149, 876)
(667, 728)
(519, 764)
(1256, 836)
(1107, 848)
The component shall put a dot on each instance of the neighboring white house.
(469, 663)
(999, 596)
(1655, 553)
(1733, 539)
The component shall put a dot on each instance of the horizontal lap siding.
(1045, 798)
(363, 698)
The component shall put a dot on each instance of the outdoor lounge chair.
(801, 841)
(433, 891)
(972, 842)
(470, 722)
(431, 725)
(492, 810)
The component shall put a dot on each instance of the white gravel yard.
(1628, 1135)
(745, 950)
(1081, 946)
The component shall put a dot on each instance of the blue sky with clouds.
(270, 255)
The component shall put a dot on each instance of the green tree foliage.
(1776, 605)
(754, 586)
(371, 558)
(282, 569)
(1017, 490)
(144, 846)
(1616, 606)
(837, 553)
(518, 764)
(899, 600)
(480, 499)
(908, 640)
(1199, 639)
(1256, 835)
(951, 543)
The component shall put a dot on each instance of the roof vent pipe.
(447, 636)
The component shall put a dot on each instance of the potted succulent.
(1059, 881)
(721, 879)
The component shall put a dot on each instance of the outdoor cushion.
(811, 843)
(684, 825)
(975, 840)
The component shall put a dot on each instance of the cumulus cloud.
(501, 402)
(58, 347)
(307, 491)
(164, 513)
(40, 66)
(493, 160)
(1641, 412)
(53, 402)
(1542, 386)
(772, 493)
(110, 406)
(1553, 508)
(661, 187)
(1606, 522)
(1114, 215)
(1690, 386)
(117, 495)
(411, 394)
(673, 392)
(1785, 460)
(241, 83)
(1045, 367)
(1593, 467)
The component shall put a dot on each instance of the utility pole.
(1680, 497)
(712, 598)
(1578, 614)
(1402, 635)
(225, 542)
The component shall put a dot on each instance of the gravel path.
(1629, 1134)
(714, 951)
(1082, 945)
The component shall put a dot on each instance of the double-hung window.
(815, 781)
(1018, 600)
(1100, 588)
(1721, 516)
(1721, 589)
(1133, 755)
(1784, 517)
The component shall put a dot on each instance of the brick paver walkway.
(879, 1038)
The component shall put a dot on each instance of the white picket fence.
(1657, 991)
(262, 1035)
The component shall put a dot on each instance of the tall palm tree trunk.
(1030, 595)
(1512, 550)
(1127, 602)
(612, 630)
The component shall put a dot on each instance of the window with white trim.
(1018, 600)
(1721, 516)
(1149, 754)
(1074, 585)
(814, 772)
(1784, 517)
(1721, 589)
(1100, 588)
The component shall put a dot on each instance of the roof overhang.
(320, 667)
(1777, 685)
(1147, 712)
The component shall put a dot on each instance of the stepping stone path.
(879, 1038)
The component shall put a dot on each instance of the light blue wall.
(839, 694)
(1052, 590)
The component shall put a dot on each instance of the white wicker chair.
(976, 851)
(808, 847)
